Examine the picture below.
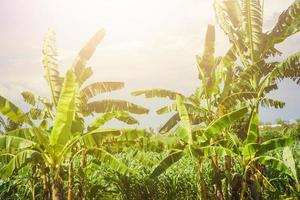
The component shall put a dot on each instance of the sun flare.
(140, 99)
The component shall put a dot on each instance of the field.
(213, 146)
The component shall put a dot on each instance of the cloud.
(148, 43)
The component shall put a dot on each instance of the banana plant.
(255, 75)
(76, 106)
(197, 141)
(254, 157)
(111, 108)
(215, 75)
(86, 91)
(53, 146)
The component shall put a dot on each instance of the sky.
(148, 44)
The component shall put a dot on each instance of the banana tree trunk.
(32, 188)
(57, 185)
(46, 184)
(70, 181)
(71, 176)
(81, 190)
(203, 188)
(218, 183)
(32, 180)
(235, 186)
(244, 186)
(228, 171)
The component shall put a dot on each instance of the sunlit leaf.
(12, 112)
(166, 163)
(106, 117)
(17, 162)
(61, 131)
(223, 122)
(29, 97)
(157, 92)
(99, 87)
(111, 105)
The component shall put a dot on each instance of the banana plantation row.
(210, 148)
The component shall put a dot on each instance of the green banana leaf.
(273, 163)
(157, 92)
(288, 160)
(111, 105)
(223, 122)
(12, 112)
(103, 157)
(274, 144)
(17, 162)
(252, 21)
(94, 89)
(208, 151)
(172, 158)
(11, 144)
(253, 131)
(287, 24)
(184, 131)
(29, 97)
(106, 117)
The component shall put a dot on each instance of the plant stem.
(81, 191)
(70, 178)
(57, 185)
(203, 189)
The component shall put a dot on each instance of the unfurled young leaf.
(65, 111)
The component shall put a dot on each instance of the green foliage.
(179, 182)
(18, 161)
(212, 147)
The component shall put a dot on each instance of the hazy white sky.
(148, 44)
